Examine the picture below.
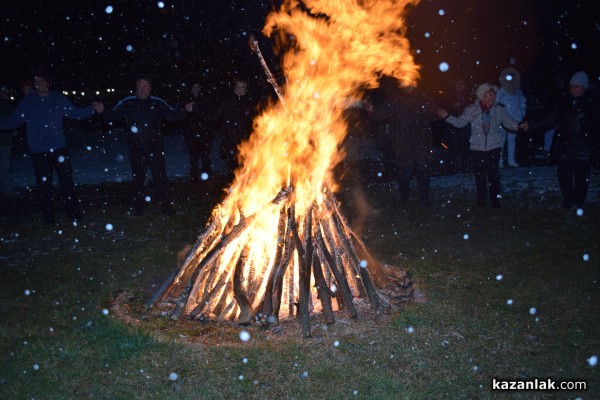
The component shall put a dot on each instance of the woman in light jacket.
(486, 141)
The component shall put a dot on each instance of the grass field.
(56, 343)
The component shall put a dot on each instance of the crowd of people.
(477, 127)
(488, 126)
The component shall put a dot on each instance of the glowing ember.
(278, 241)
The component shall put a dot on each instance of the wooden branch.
(267, 303)
(304, 265)
(212, 256)
(342, 232)
(339, 276)
(323, 291)
(239, 294)
(176, 283)
(288, 252)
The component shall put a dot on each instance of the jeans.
(487, 174)
(44, 165)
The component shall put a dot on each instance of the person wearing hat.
(486, 141)
(42, 112)
(576, 143)
(511, 97)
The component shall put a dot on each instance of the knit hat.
(580, 79)
(483, 89)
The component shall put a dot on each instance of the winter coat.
(577, 135)
(236, 116)
(495, 138)
(202, 121)
(143, 120)
(408, 113)
(44, 118)
(514, 104)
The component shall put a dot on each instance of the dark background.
(85, 48)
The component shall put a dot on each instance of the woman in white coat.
(486, 141)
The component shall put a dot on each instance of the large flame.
(332, 51)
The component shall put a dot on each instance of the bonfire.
(278, 245)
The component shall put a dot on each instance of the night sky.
(86, 48)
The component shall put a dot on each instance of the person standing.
(43, 112)
(576, 143)
(236, 115)
(511, 97)
(458, 156)
(6, 140)
(408, 111)
(486, 141)
(143, 115)
(199, 130)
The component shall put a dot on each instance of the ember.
(278, 245)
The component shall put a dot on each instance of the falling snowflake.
(108, 9)
(204, 176)
(532, 310)
(509, 302)
(244, 336)
(108, 227)
(593, 361)
(586, 257)
(499, 277)
(444, 66)
(173, 376)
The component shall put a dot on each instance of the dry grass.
(464, 334)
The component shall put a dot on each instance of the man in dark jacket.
(199, 129)
(143, 115)
(577, 139)
(408, 111)
(43, 112)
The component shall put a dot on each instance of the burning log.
(305, 247)
(268, 251)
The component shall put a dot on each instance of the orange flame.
(333, 53)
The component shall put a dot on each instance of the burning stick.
(270, 78)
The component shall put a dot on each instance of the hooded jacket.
(510, 94)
